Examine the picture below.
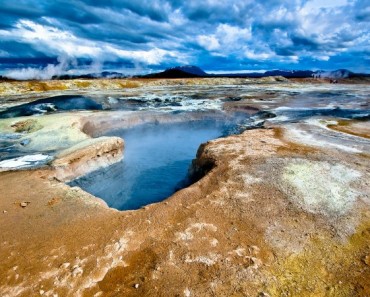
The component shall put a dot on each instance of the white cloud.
(225, 40)
(58, 42)
(235, 71)
(318, 4)
(232, 34)
(4, 54)
(323, 58)
(177, 18)
(257, 56)
(163, 32)
(210, 42)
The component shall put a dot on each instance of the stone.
(24, 204)
(252, 262)
(77, 271)
(24, 142)
(27, 126)
(367, 260)
(254, 249)
(87, 156)
(65, 265)
(53, 201)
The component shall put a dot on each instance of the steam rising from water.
(42, 73)
(65, 66)
(156, 163)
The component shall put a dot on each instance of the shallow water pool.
(156, 163)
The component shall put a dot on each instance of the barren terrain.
(280, 210)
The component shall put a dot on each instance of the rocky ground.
(278, 211)
(23, 90)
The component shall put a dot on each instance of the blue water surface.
(156, 163)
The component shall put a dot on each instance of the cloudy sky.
(213, 34)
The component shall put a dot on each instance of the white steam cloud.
(42, 73)
(65, 65)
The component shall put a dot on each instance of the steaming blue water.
(157, 156)
(156, 163)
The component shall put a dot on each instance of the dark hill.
(179, 72)
(195, 70)
(290, 74)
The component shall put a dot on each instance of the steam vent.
(127, 171)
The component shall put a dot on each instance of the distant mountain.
(194, 71)
(290, 73)
(284, 73)
(179, 72)
(190, 69)
(112, 74)
(72, 76)
(104, 74)
(4, 78)
(340, 73)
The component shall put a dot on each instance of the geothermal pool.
(156, 163)
(157, 157)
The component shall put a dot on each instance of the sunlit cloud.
(212, 34)
(63, 43)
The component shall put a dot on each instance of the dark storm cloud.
(213, 34)
(301, 42)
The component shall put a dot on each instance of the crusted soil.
(87, 156)
(244, 229)
(357, 128)
(17, 91)
(280, 211)
(27, 126)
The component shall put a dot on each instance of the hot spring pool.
(156, 163)
(157, 157)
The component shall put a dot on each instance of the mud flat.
(283, 210)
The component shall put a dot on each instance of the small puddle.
(156, 161)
